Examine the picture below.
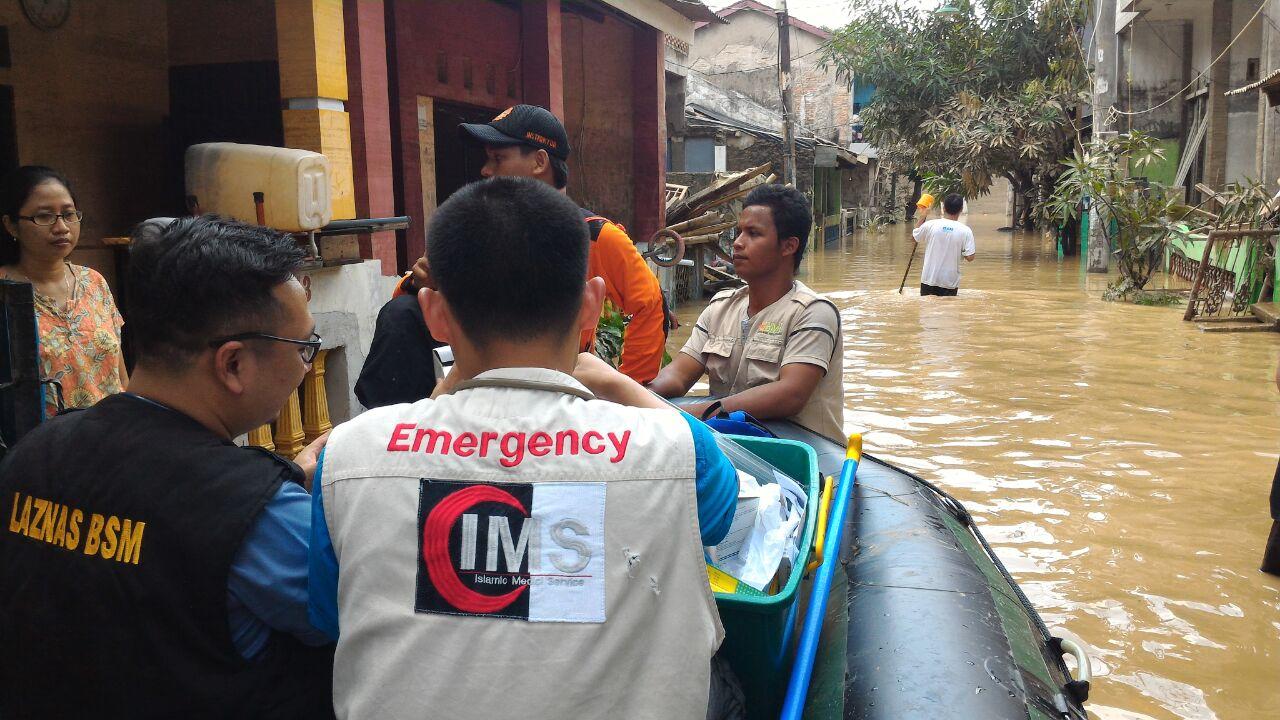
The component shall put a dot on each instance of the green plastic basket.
(758, 628)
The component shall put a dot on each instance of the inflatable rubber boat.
(909, 614)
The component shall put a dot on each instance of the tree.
(1140, 218)
(962, 99)
(1135, 215)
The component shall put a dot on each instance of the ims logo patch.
(530, 552)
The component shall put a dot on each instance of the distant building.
(742, 54)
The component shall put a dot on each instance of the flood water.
(1117, 458)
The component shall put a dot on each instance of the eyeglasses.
(310, 347)
(45, 219)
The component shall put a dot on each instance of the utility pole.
(784, 87)
(1104, 98)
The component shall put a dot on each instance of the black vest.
(121, 523)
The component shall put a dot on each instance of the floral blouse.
(80, 346)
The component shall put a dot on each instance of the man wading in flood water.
(946, 241)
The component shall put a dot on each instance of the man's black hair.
(953, 204)
(790, 211)
(559, 168)
(510, 256)
(200, 278)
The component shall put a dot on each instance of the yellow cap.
(926, 201)
(854, 449)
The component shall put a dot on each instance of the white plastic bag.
(762, 534)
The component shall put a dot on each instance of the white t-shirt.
(945, 242)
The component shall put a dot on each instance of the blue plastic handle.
(802, 670)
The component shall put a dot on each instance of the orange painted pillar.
(312, 52)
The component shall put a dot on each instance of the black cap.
(527, 125)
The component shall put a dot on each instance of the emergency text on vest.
(511, 448)
(106, 536)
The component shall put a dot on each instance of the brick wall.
(823, 104)
(763, 151)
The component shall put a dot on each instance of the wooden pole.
(1199, 278)
(908, 272)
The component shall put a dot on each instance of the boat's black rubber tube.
(925, 638)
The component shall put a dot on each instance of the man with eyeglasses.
(151, 567)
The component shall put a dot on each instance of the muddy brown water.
(1118, 459)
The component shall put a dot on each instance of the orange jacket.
(633, 289)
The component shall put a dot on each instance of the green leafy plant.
(609, 334)
(1137, 217)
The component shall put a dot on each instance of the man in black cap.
(528, 141)
(524, 141)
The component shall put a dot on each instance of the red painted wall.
(611, 83)
(369, 108)
(649, 157)
(598, 113)
(480, 33)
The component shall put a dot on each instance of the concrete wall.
(742, 57)
(1242, 110)
(345, 301)
(1269, 151)
(1159, 64)
(1156, 72)
(855, 186)
(733, 103)
(90, 99)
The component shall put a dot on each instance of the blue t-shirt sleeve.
(717, 484)
(322, 606)
(268, 580)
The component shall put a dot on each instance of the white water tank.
(295, 184)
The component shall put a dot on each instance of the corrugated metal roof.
(694, 10)
(864, 149)
(1271, 78)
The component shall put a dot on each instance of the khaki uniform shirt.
(741, 353)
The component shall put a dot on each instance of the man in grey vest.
(523, 542)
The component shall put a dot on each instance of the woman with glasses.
(78, 322)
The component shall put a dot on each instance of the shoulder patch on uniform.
(724, 295)
(522, 551)
(807, 299)
(828, 303)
